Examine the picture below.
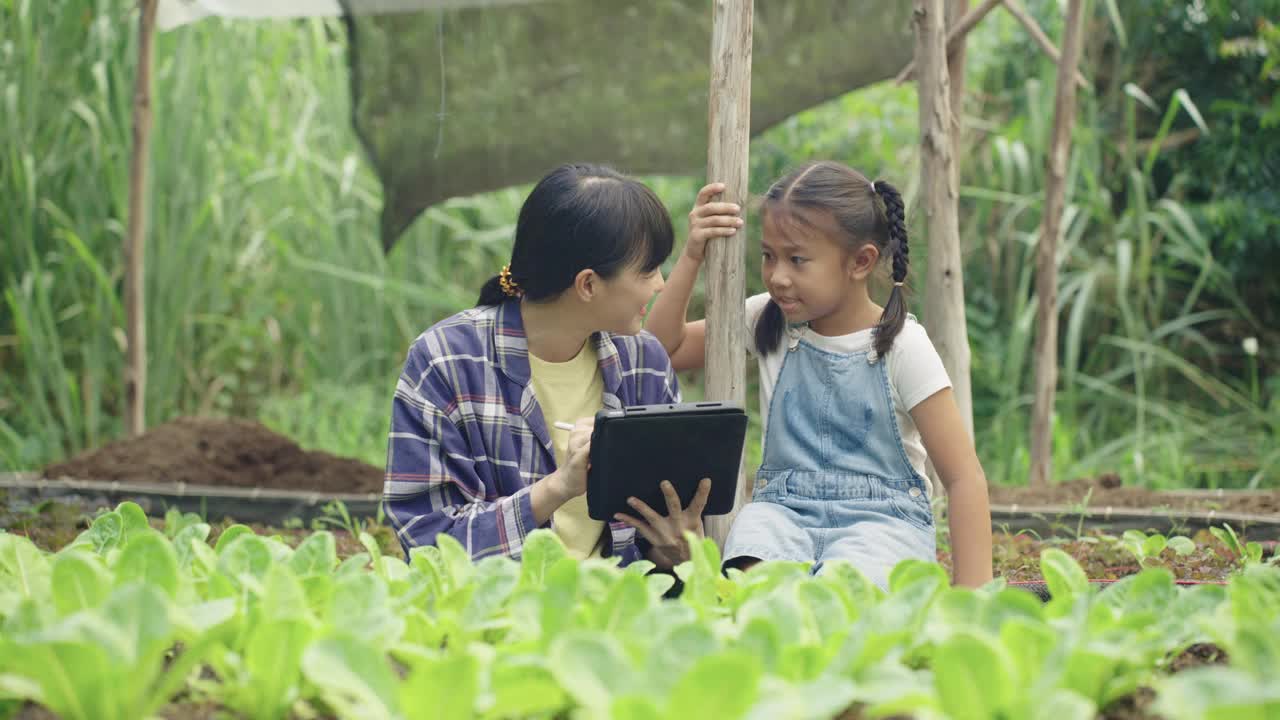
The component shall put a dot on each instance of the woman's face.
(625, 300)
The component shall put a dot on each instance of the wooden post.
(135, 243)
(730, 136)
(1046, 349)
(944, 281)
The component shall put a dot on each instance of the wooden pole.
(1046, 349)
(944, 279)
(135, 244)
(730, 135)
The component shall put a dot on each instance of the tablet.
(634, 449)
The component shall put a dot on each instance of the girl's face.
(807, 273)
(625, 299)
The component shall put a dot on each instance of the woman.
(474, 450)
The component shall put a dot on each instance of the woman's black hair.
(864, 212)
(582, 216)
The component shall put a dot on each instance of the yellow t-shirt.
(568, 391)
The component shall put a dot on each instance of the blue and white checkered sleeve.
(431, 484)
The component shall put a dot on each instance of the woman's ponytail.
(491, 292)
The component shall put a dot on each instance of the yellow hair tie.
(509, 287)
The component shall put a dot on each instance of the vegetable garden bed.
(138, 616)
(1113, 602)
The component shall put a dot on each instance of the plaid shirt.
(468, 438)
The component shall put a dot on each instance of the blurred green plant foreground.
(128, 620)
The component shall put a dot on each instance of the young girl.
(855, 394)
(478, 448)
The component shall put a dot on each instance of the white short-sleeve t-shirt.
(913, 365)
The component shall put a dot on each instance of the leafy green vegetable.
(120, 621)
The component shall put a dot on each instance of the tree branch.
(1015, 8)
(954, 37)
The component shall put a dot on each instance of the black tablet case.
(634, 450)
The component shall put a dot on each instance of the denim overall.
(835, 483)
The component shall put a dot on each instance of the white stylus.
(562, 425)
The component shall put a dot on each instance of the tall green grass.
(270, 297)
(264, 272)
(1145, 389)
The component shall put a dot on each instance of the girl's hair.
(582, 216)
(863, 211)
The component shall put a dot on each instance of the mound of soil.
(1107, 491)
(220, 452)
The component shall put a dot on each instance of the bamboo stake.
(135, 247)
(1046, 349)
(727, 152)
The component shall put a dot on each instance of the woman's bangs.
(647, 225)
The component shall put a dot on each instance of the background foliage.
(270, 296)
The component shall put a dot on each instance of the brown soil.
(1137, 705)
(1107, 491)
(195, 711)
(32, 711)
(181, 710)
(220, 452)
(1016, 557)
(1198, 655)
(52, 524)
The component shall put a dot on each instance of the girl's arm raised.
(951, 450)
(685, 341)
